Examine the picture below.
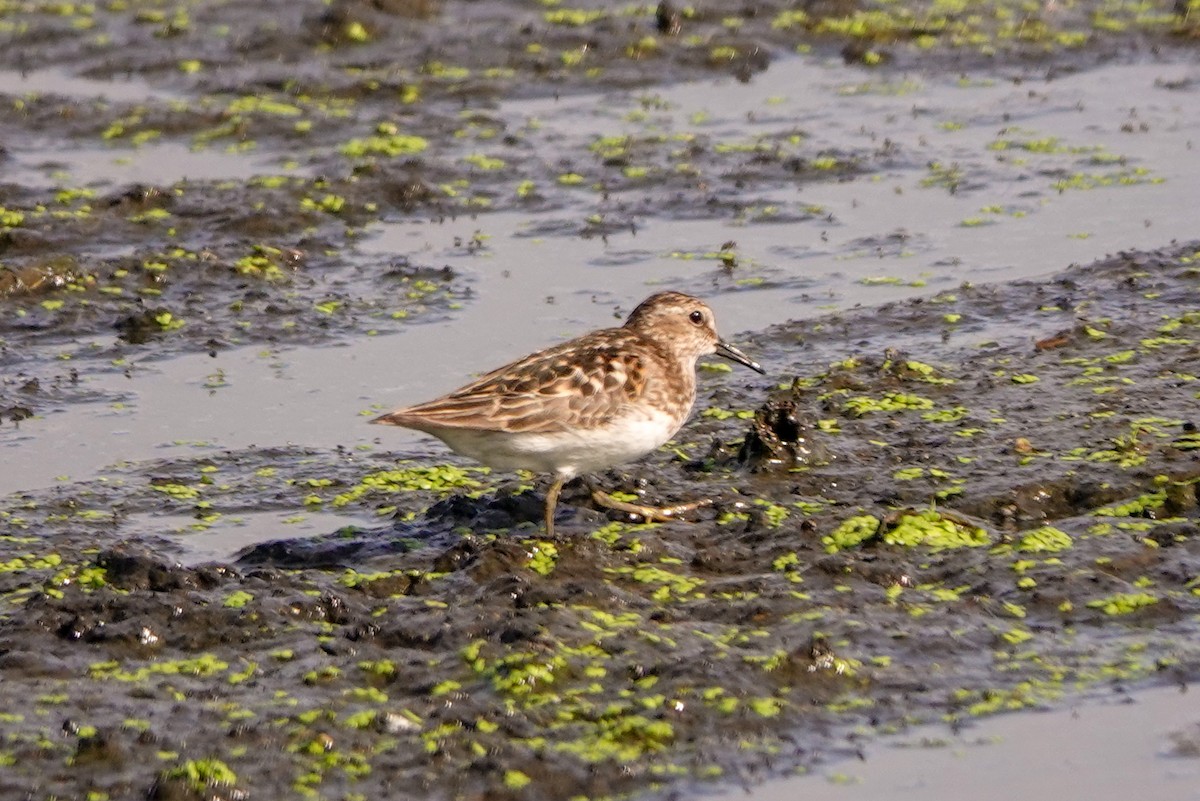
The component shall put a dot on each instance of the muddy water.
(1143, 746)
(229, 235)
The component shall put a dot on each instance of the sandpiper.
(603, 399)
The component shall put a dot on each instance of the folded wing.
(580, 384)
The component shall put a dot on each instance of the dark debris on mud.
(976, 502)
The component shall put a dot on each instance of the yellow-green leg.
(552, 503)
(655, 514)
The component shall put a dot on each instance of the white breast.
(568, 453)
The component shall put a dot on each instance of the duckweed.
(1123, 603)
(889, 402)
(1046, 538)
(441, 479)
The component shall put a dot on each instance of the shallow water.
(1140, 745)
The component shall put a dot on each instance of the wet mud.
(980, 500)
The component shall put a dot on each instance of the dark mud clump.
(982, 501)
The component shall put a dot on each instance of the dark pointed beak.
(734, 355)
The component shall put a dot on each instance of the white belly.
(568, 453)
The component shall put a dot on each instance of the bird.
(603, 399)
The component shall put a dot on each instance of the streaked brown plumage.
(602, 399)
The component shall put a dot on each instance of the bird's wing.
(579, 384)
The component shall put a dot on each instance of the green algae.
(909, 530)
(935, 531)
(1044, 539)
(202, 666)
(888, 402)
(668, 585)
(851, 533)
(238, 599)
(1124, 603)
(543, 557)
(442, 479)
(390, 145)
(200, 774)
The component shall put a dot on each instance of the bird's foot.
(651, 514)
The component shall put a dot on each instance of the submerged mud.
(980, 501)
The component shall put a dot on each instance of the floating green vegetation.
(1123, 603)
(201, 774)
(180, 492)
(911, 368)
(515, 779)
(255, 104)
(893, 88)
(201, 666)
(389, 583)
(543, 557)
(1046, 538)
(11, 218)
(329, 203)
(263, 262)
(573, 57)
(717, 413)
(486, 163)
(1049, 144)
(1188, 442)
(30, 562)
(86, 577)
(945, 415)
(983, 27)
(1126, 177)
(927, 528)
(363, 719)
(1024, 695)
(773, 514)
(890, 402)
(912, 473)
(851, 533)
(642, 48)
(573, 17)
(390, 145)
(441, 479)
(1125, 451)
(445, 72)
(238, 599)
(613, 534)
(1146, 505)
(620, 736)
(669, 586)
(790, 19)
(521, 676)
(944, 176)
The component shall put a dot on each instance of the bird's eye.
(696, 317)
